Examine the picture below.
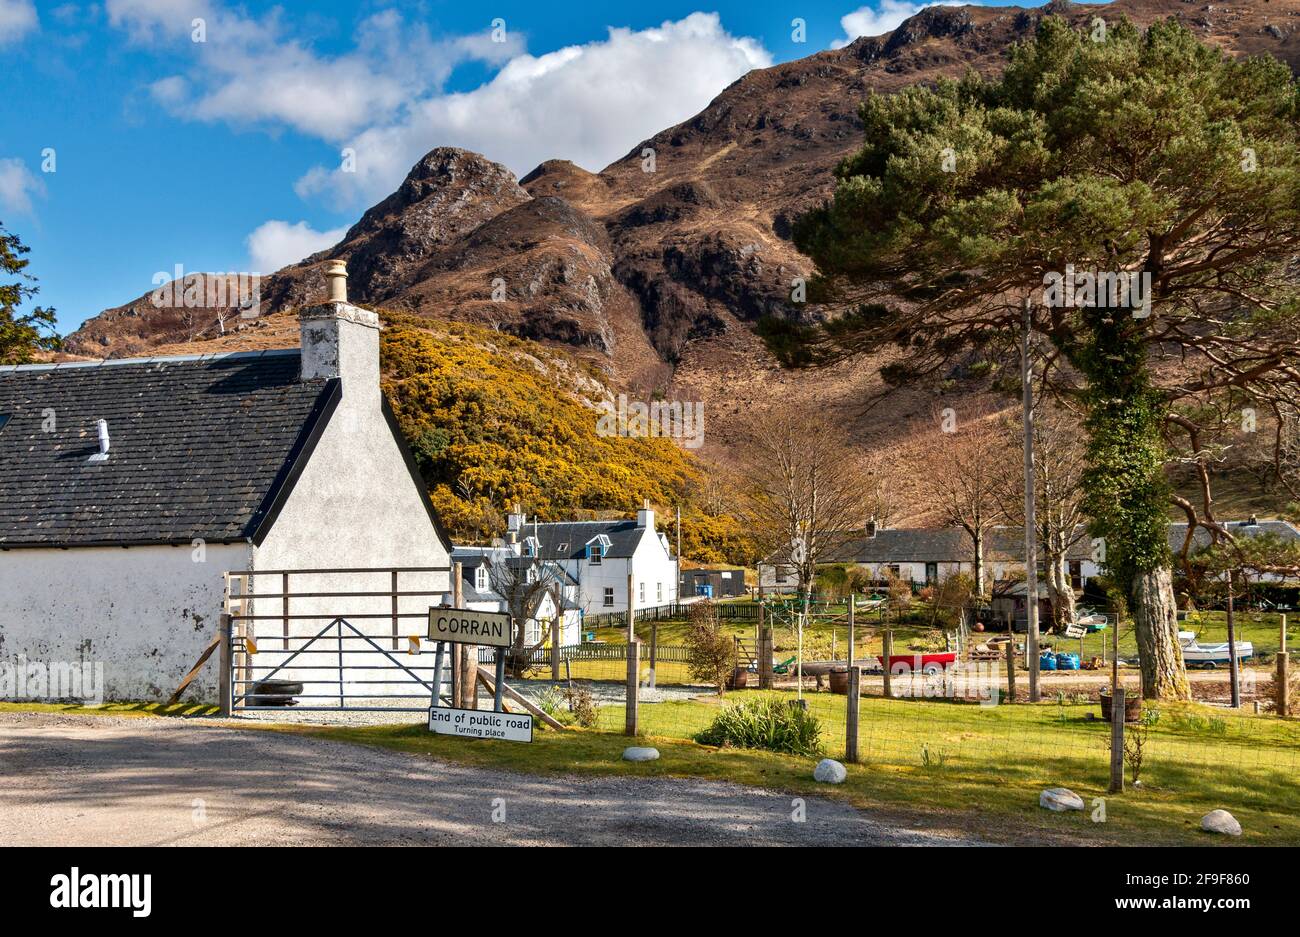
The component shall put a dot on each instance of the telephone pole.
(1031, 532)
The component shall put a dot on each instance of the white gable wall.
(354, 506)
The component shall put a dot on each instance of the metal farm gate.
(337, 640)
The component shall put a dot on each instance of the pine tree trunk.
(1155, 620)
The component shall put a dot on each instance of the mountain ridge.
(659, 277)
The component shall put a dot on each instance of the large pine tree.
(21, 335)
(1111, 150)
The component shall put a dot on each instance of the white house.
(481, 584)
(600, 555)
(129, 488)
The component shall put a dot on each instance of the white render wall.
(650, 563)
(145, 613)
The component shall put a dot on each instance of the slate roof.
(1201, 539)
(567, 540)
(200, 447)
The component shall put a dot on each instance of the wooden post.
(654, 648)
(853, 601)
(225, 695)
(765, 658)
(887, 647)
(1117, 741)
(467, 665)
(555, 649)
(1234, 674)
(633, 668)
(1282, 645)
(1283, 684)
(851, 715)
(1011, 669)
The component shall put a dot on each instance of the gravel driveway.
(102, 780)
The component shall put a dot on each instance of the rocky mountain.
(658, 266)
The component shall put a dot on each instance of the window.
(4, 418)
(481, 579)
(659, 592)
(641, 593)
(609, 596)
(595, 553)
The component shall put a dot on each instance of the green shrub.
(770, 724)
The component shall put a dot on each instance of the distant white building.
(929, 555)
(481, 582)
(600, 555)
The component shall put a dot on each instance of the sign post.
(453, 627)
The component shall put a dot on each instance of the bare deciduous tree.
(804, 490)
(957, 474)
(523, 583)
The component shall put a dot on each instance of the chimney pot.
(336, 279)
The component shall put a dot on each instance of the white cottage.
(600, 555)
(128, 488)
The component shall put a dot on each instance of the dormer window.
(530, 546)
(481, 579)
(597, 547)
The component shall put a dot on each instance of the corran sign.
(465, 626)
(481, 724)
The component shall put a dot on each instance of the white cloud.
(588, 103)
(17, 186)
(883, 18)
(277, 244)
(17, 19)
(252, 71)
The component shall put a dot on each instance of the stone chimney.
(871, 528)
(339, 339)
(515, 523)
(646, 516)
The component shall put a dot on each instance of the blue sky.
(220, 146)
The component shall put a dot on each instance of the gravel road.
(103, 780)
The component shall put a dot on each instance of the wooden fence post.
(225, 694)
(555, 648)
(851, 715)
(1117, 741)
(887, 647)
(1011, 670)
(633, 668)
(1283, 684)
(853, 601)
(765, 658)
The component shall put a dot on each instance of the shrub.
(770, 724)
(710, 651)
(582, 706)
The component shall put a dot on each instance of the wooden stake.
(633, 665)
(1283, 684)
(851, 714)
(1011, 669)
(887, 647)
(1117, 742)
(225, 691)
(555, 649)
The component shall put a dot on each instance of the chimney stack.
(646, 516)
(339, 339)
(871, 528)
